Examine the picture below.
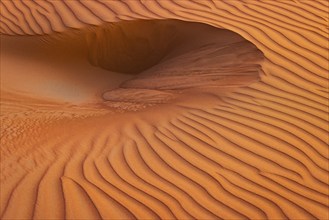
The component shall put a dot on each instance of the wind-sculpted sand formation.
(167, 109)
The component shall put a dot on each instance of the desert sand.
(164, 109)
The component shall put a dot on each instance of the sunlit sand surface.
(164, 109)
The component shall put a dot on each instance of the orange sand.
(179, 140)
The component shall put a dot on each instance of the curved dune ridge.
(257, 151)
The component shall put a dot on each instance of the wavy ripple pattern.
(259, 153)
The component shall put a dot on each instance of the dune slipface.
(164, 109)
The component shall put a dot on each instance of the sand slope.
(258, 152)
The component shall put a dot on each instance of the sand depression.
(134, 64)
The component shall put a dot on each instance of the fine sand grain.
(219, 111)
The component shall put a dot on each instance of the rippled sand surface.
(167, 109)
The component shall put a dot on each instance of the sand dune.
(180, 140)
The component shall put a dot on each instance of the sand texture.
(164, 109)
